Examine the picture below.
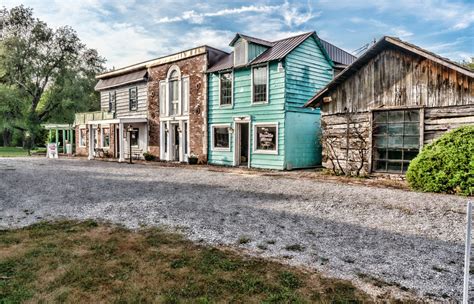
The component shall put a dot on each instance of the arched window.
(173, 81)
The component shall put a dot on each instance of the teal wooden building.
(256, 96)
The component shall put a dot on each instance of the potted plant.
(192, 159)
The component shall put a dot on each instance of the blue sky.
(130, 31)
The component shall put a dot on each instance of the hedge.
(446, 165)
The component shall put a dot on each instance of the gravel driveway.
(392, 239)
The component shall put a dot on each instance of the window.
(266, 138)
(133, 99)
(105, 137)
(163, 97)
(134, 137)
(82, 137)
(396, 137)
(185, 94)
(226, 88)
(259, 86)
(220, 137)
(174, 93)
(185, 137)
(112, 103)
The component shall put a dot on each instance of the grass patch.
(18, 151)
(87, 262)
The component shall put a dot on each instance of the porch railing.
(83, 118)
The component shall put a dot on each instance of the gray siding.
(122, 99)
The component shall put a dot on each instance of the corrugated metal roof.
(121, 80)
(251, 39)
(225, 63)
(338, 55)
(382, 44)
(281, 48)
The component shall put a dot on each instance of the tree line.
(46, 75)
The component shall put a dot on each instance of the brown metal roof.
(281, 48)
(382, 44)
(251, 39)
(338, 55)
(129, 78)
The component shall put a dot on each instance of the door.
(175, 142)
(117, 142)
(244, 144)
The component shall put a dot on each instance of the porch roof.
(118, 120)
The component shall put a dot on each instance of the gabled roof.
(378, 47)
(280, 48)
(250, 39)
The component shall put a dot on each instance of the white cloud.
(198, 18)
(294, 16)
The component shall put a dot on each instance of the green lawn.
(17, 152)
(70, 262)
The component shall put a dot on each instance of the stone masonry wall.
(195, 68)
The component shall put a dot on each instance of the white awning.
(118, 120)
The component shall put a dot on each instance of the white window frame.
(231, 89)
(168, 84)
(81, 143)
(185, 99)
(102, 137)
(265, 124)
(213, 148)
(162, 96)
(267, 88)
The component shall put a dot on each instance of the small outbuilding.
(379, 111)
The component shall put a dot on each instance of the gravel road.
(393, 239)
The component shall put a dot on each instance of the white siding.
(122, 100)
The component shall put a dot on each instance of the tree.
(46, 66)
(11, 112)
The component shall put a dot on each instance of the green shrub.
(149, 156)
(446, 165)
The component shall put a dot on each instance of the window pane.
(380, 153)
(221, 137)
(174, 95)
(395, 129)
(394, 154)
(395, 167)
(380, 165)
(410, 154)
(411, 142)
(226, 88)
(395, 116)
(266, 138)
(380, 141)
(134, 137)
(412, 129)
(395, 142)
(413, 115)
(380, 117)
(381, 129)
(260, 84)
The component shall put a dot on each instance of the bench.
(136, 153)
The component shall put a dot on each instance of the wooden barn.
(379, 112)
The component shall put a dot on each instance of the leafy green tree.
(52, 70)
(12, 109)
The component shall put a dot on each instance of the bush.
(446, 165)
(149, 156)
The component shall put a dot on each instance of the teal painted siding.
(307, 71)
(254, 50)
(303, 148)
(271, 112)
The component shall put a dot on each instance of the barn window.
(396, 139)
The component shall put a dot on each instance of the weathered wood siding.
(122, 100)
(439, 120)
(335, 128)
(394, 78)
